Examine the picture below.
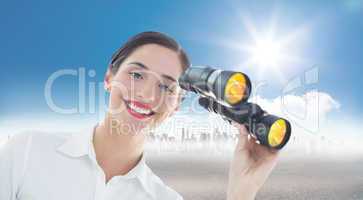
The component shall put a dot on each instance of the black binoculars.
(226, 93)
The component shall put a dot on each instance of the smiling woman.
(106, 162)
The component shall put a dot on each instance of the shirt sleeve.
(13, 156)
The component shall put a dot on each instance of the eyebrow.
(147, 68)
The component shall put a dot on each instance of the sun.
(268, 56)
(266, 52)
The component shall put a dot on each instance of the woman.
(107, 162)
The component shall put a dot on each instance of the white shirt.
(38, 166)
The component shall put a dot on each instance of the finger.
(266, 152)
(243, 135)
(241, 128)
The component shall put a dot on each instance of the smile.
(138, 109)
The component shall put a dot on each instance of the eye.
(165, 88)
(136, 75)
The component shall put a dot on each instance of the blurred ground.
(199, 177)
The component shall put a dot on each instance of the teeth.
(139, 110)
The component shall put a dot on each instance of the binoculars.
(226, 93)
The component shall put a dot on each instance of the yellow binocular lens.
(235, 89)
(277, 133)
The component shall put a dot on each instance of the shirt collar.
(81, 144)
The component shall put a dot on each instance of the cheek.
(115, 101)
(169, 103)
(122, 86)
(119, 91)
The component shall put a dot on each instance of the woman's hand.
(251, 165)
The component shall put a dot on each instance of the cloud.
(308, 111)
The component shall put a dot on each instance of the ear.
(108, 79)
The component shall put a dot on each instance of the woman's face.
(144, 91)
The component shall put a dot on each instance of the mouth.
(138, 109)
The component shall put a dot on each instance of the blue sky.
(40, 37)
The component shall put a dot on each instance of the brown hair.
(149, 37)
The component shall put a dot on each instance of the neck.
(117, 153)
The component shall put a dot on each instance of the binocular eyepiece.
(226, 93)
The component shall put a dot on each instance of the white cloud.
(308, 111)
